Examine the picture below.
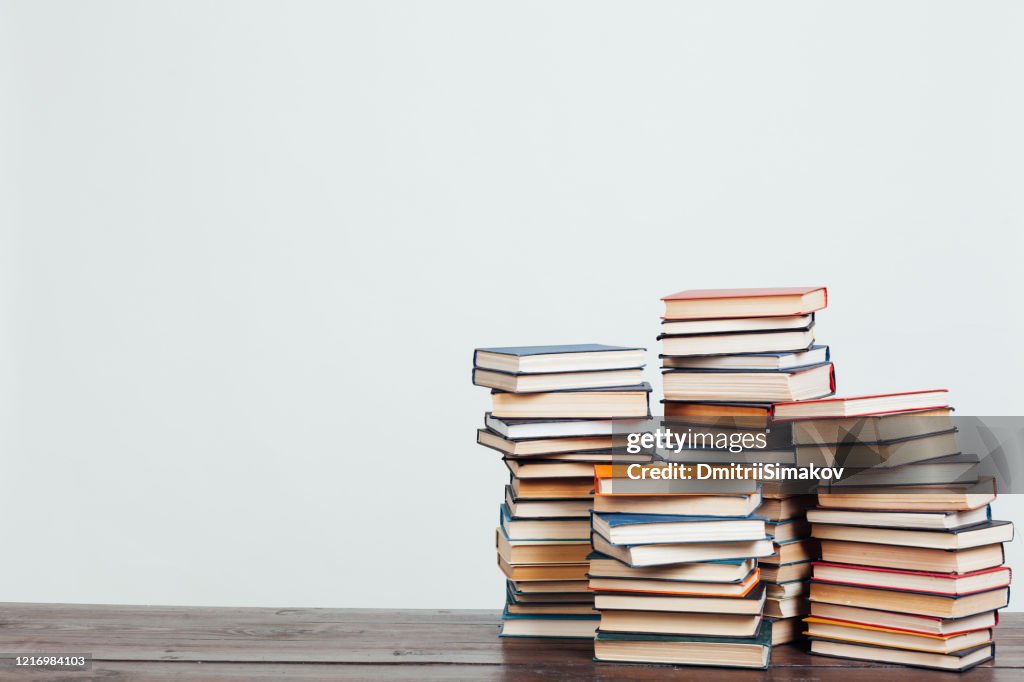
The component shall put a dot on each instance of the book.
(727, 571)
(859, 634)
(543, 529)
(685, 505)
(791, 552)
(912, 558)
(549, 590)
(589, 403)
(616, 480)
(526, 429)
(553, 608)
(555, 592)
(785, 630)
(936, 520)
(537, 509)
(914, 581)
(784, 573)
(882, 454)
(959, 661)
(936, 498)
(874, 429)
(674, 587)
(678, 623)
(749, 604)
(559, 381)
(815, 355)
(778, 509)
(737, 324)
(787, 341)
(542, 446)
(787, 590)
(790, 384)
(951, 469)
(862, 405)
(660, 555)
(725, 303)
(904, 622)
(567, 626)
(552, 488)
(523, 573)
(518, 552)
(731, 652)
(644, 529)
(934, 605)
(589, 457)
(549, 468)
(787, 608)
(719, 413)
(985, 533)
(790, 529)
(560, 358)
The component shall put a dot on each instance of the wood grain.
(165, 643)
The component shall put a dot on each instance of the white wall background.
(248, 248)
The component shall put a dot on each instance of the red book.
(862, 405)
(952, 584)
(697, 304)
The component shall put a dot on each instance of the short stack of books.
(676, 577)
(552, 418)
(912, 566)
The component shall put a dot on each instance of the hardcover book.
(912, 558)
(560, 358)
(787, 341)
(583, 404)
(949, 584)
(558, 381)
(934, 605)
(708, 384)
(863, 405)
(723, 303)
(955, 662)
(815, 355)
(729, 652)
(640, 529)
(750, 603)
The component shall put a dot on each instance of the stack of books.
(676, 571)
(787, 571)
(675, 575)
(552, 418)
(912, 566)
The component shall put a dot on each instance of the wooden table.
(176, 643)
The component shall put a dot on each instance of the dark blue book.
(585, 357)
(751, 362)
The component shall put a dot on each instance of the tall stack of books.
(552, 416)
(912, 566)
(676, 566)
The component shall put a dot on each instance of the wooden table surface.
(179, 643)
